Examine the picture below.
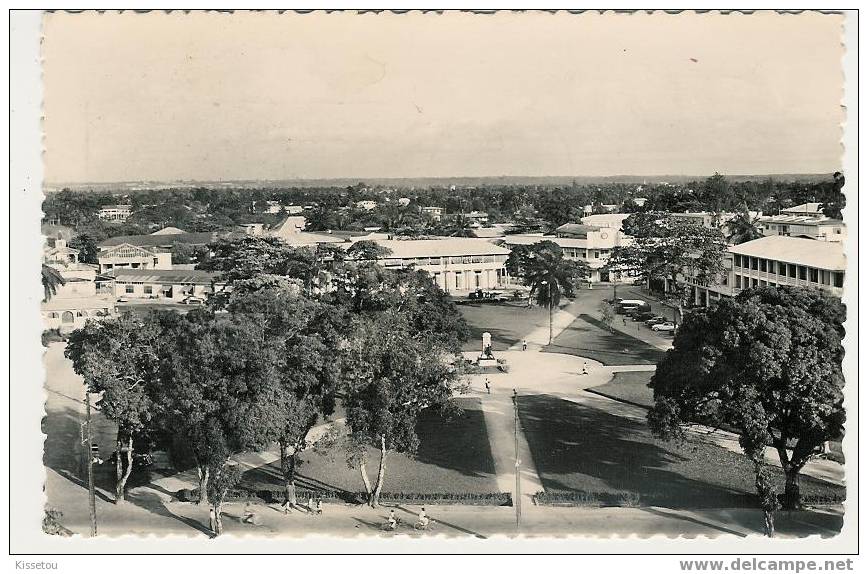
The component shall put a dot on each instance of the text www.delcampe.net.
(762, 565)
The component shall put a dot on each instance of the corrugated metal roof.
(195, 276)
(447, 247)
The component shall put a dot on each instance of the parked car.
(123, 300)
(655, 321)
(667, 327)
(140, 460)
(643, 315)
(193, 300)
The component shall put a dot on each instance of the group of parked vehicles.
(640, 311)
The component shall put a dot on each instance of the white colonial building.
(454, 263)
(591, 244)
(773, 261)
(117, 213)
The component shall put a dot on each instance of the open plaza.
(564, 422)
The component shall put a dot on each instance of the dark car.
(643, 315)
(140, 460)
(655, 320)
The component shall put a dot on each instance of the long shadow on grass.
(456, 442)
(588, 337)
(578, 448)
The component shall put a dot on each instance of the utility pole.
(550, 312)
(517, 501)
(90, 456)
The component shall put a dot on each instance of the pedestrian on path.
(212, 521)
(624, 320)
(487, 386)
(585, 368)
(524, 344)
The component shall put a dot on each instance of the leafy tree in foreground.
(767, 363)
(391, 375)
(304, 337)
(117, 360)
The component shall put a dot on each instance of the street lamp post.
(517, 501)
(91, 490)
(549, 284)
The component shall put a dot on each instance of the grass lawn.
(454, 456)
(588, 337)
(508, 323)
(578, 448)
(630, 387)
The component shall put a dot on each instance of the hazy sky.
(265, 96)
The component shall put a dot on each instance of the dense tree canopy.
(767, 363)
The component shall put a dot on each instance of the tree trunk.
(218, 519)
(120, 474)
(287, 468)
(381, 474)
(365, 480)
(792, 497)
(203, 483)
(769, 517)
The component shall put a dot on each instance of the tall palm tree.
(52, 280)
(550, 276)
(743, 227)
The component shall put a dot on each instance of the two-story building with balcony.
(774, 261)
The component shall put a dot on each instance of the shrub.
(51, 336)
(628, 499)
(276, 495)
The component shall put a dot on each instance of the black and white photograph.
(432, 277)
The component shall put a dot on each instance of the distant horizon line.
(435, 177)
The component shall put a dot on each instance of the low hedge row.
(277, 495)
(583, 498)
(632, 499)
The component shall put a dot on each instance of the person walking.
(319, 506)
(585, 368)
(524, 344)
(487, 387)
(212, 522)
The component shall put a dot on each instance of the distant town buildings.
(252, 228)
(128, 256)
(367, 204)
(588, 243)
(806, 209)
(77, 300)
(168, 285)
(805, 226)
(290, 226)
(436, 213)
(116, 213)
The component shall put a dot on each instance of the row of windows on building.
(583, 253)
(789, 270)
(462, 260)
(69, 316)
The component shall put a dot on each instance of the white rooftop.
(451, 246)
(796, 250)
